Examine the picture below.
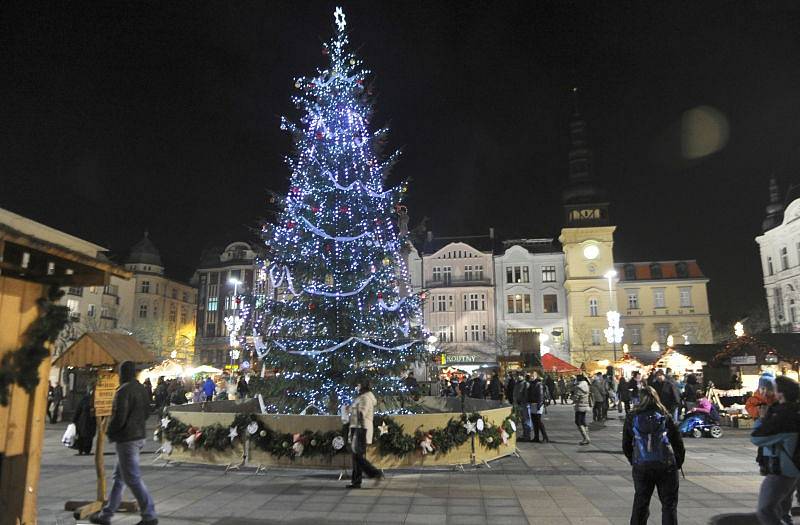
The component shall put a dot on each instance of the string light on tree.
(341, 311)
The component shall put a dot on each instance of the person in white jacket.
(361, 413)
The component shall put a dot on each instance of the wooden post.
(99, 466)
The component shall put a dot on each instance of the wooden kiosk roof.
(104, 349)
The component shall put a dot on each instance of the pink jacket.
(703, 405)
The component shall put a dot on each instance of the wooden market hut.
(740, 361)
(104, 349)
(34, 258)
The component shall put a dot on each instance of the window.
(111, 289)
(633, 299)
(473, 273)
(212, 304)
(437, 273)
(681, 269)
(72, 290)
(596, 336)
(779, 302)
(185, 297)
(655, 271)
(447, 274)
(630, 272)
(658, 298)
(593, 307)
(90, 311)
(173, 313)
(483, 332)
(636, 335)
(445, 334)
(143, 311)
(548, 274)
(211, 330)
(474, 301)
(685, 297)
(517, 274)
(184, 315)
(74, 308)
(792, 312)
(474, 332)
(550, 303)
(441, 303)
(784, 258)
(519, 303)
(145, 287)
(663, 333)
(175, 293)
(104, 313)
(770, 270)
(155, 311)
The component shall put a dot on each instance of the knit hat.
(767, 381)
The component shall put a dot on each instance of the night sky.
(165, 116)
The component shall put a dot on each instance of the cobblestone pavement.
(549, 484)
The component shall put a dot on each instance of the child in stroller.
(703, 420)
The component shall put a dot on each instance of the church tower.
(774, 209)
(587, 239)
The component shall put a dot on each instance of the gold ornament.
(329, 279)
(387, 261)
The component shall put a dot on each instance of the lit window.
(548, 274)
(658, 298)
(519, 303)
(596, 336)
(550, 303)
(212, 304)
(74, 308)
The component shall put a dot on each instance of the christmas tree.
(342, 308)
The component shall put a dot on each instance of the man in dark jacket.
(668, 391)
(126, 430)
(536, 398)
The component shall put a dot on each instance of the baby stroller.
(699, 424)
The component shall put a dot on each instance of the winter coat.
(598, 390)
(777, 435)
(673, 435)
(703, 405)
(757, 399)
(208, 387)
(362, 411)
(536, 393)
(510, 389)
(494, 389)
(84, 419)
(477, 390)
(690, 393)
(669, 394)
(129, 412)
(521, 392)
(580, 396)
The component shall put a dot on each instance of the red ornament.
(423, 295)
(312, 306)
(295, 190)
(290, 224)
(315, 209)
(312, 85)
(344, 209)
(380, 295)
(328, 248)
(378, 221)
(324, 50)
(360, 81)
(319, 135)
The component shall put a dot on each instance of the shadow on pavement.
(734, 519)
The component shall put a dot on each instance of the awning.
(551, 363)
(104, 349)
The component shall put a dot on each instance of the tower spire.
(775, 208)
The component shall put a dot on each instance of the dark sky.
(164, 116)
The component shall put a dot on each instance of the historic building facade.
(164, 309)
(222, 276)
(530, 296)
(779, 247)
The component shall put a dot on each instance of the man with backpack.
(654, 447)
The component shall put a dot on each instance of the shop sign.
(452, 359)
(743, 360)
(107, 384)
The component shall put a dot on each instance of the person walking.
(668, 392)
(580, 401)
(550, 383)
(510, 384)
(521, 400)
(242, 388)
(624, 394)
(411, 384)
(58, 397)
(361, 414)
(85, 424)
(208, 388)
(654, 448)
(599, 397)
(562, 390)
(536, 397)
(126, 430)
(635, 385)
(149, 387)
(775, 433)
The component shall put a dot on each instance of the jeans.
(527, 425)
(538, 427)
(127, 472)
(775, 498)
(644, 481)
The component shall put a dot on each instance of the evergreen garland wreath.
(394, 442)
(21, 366)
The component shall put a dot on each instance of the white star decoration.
(165, 422)
(338, 15)
(470, 426)
(383, 428)
(233, 433)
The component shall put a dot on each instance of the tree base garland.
(393, 441)
(21, 366)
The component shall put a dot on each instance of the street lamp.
(236, 283)
(614, 331)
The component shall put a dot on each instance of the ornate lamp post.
(614, 331)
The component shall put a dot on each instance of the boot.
(585, 434)
(545, 439)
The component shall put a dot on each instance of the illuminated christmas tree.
(342, 309)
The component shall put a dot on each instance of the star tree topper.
(338, 15)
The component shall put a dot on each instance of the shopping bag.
(69, 435)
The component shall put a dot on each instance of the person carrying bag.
(361, 414)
